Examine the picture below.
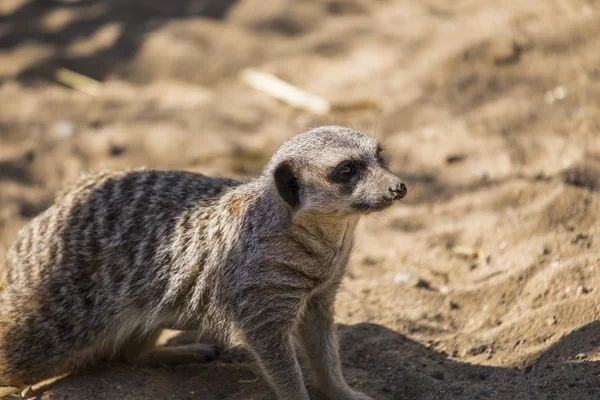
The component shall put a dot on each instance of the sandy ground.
(489, 111)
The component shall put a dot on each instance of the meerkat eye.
(347, 169)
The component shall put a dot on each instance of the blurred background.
(484, 283)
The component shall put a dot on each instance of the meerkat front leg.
(277, 359)
(266, 325)
(319, 339)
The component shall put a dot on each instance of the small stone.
(581, 356)
(556, 94)
(411, 280)
(423, 284)
(551, 321)
(487, 391)
(453, 305)
(406, 278)
(64, 129)
(581, 291)
(554, 264)
(502, 245)
(560, 92)
(116, 150)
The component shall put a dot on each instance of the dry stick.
(275, 87)
(7, 392)
(298, 98)
(77, 81)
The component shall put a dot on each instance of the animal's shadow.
(377, 361)
(28, 24)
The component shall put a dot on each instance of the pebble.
(487, 391)
(65, 129)
(581, 291)
(546, 250)
(410, 280)
(116, 150)
(551, 321)
(556, 94)
(453, 305)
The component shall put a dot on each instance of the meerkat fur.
(122, 255)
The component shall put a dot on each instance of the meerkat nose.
(397, 191)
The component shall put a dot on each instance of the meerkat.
(123, 255)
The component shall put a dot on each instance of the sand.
(483, 283)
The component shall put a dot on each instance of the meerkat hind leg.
(197, 353)
(142, 350)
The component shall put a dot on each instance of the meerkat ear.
(287, 184)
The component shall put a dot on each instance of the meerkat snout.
(397, 191)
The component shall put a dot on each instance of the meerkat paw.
(352, 395)
(362, 396)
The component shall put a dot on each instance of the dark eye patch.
(345, 171)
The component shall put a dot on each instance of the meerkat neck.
(330, 230)
(326, 229)
(259, 200)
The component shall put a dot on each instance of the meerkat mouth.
(372, 207)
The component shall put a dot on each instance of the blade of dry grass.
(77, 81)
(284, 91)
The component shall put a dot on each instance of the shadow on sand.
(377, 360)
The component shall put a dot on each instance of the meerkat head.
(334, 170)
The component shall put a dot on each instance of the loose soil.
(484, 283)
